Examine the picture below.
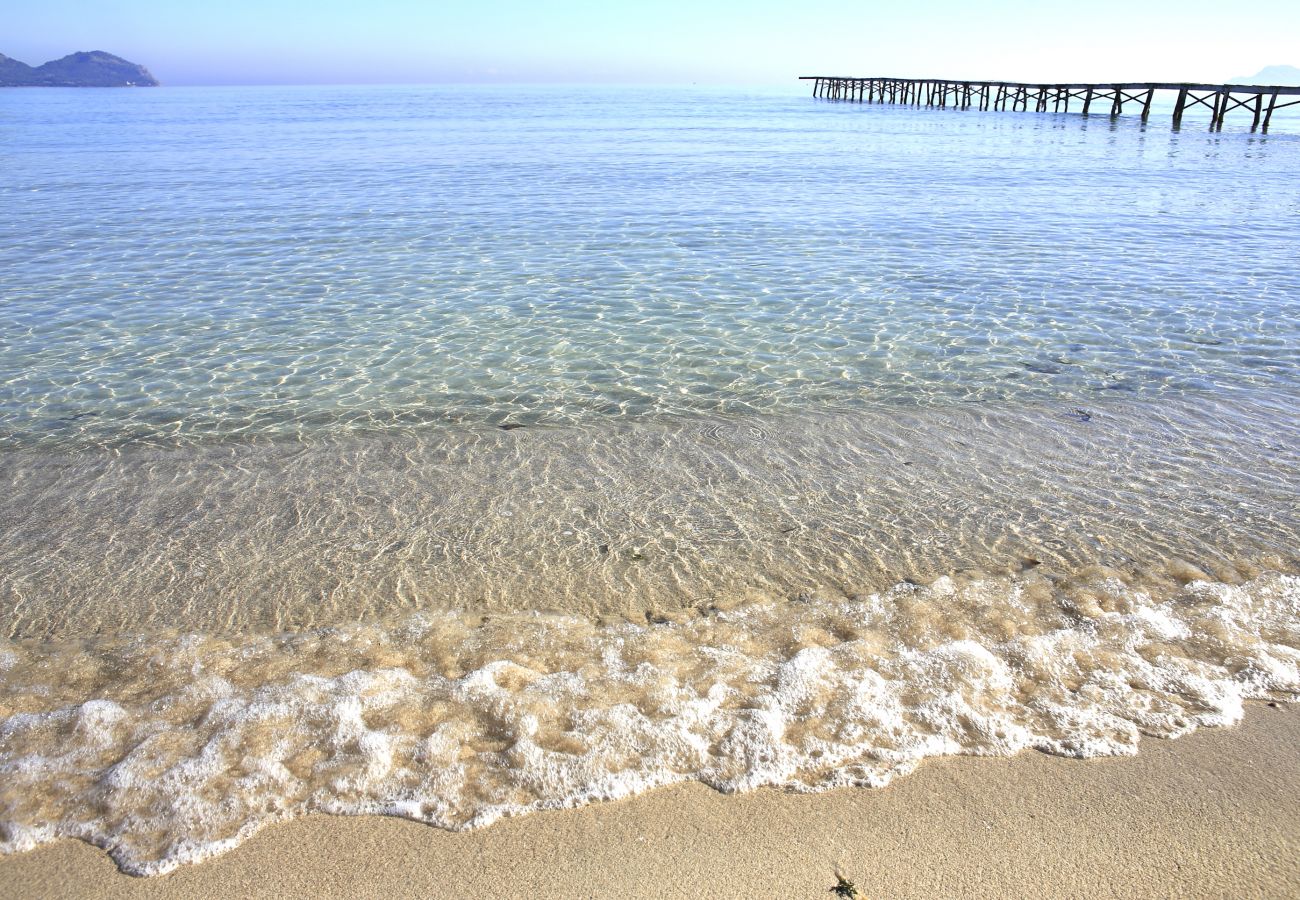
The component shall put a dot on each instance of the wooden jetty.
(1261, 101)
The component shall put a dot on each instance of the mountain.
(1288, 76)
(93, 69)
(14, 72)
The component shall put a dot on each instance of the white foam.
(182, 751)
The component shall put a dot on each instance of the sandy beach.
(382, 461)
(1209, 815)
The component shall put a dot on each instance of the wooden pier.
(1259, 101)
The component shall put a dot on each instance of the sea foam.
(170, 751)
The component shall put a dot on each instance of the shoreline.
(1209, 814)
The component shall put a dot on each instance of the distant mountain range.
(93, 69)
(1288, 76)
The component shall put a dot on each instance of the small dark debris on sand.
(845, 888)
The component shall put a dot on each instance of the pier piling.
(1219, 99)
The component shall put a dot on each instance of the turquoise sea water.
(454, 453)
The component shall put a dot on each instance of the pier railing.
(1261, 101)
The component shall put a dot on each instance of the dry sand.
(1216, 814)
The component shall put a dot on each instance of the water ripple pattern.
(457, 453)
(191, 265)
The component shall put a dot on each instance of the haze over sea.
(458, 452)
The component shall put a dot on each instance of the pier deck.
(1260, 101)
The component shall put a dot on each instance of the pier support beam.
(1219, 99)
(1272, 104)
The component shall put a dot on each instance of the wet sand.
(1212, 814)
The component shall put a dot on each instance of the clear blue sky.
(728, 41)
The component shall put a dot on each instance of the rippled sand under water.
(458, 625)
(646, 519)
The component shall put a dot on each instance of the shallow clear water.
(847, 436)
(197, 264)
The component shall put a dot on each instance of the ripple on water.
(679, 254)
(387, 450)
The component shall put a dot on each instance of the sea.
(459, 452)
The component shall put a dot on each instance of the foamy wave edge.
(168, 752)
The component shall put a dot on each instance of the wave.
(170, 750)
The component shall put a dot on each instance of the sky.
(660, 42)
